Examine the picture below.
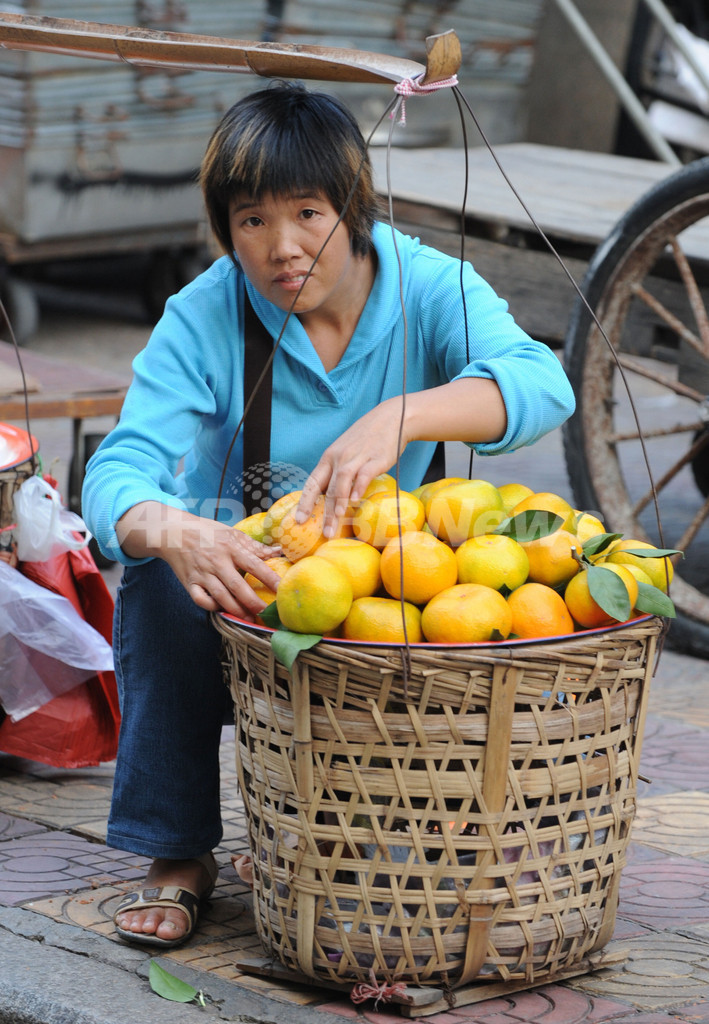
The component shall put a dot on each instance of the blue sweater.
(186, 397)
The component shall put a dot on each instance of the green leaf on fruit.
(654, 601)
(169, 987)
(609, 592)
(269, 616)
(601, 542)
(530, 525)
(652, 552)
(287, 646)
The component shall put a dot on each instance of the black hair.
(285, 140)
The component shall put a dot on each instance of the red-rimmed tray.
(16, 446)
(517, 642)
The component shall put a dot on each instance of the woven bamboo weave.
(10, 482)
(466, 818)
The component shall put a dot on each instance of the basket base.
(422, 1002)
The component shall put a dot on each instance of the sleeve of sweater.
(537, 394)
(176, 380)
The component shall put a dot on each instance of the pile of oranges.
(456, 561)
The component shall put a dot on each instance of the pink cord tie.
(382, 992)
(410, 87)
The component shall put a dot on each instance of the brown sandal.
(167, 896)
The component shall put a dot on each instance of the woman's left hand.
(369, 447)
(469, 409)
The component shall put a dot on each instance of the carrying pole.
(188, 52)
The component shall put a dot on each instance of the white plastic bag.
(44, 527)
(46, 648)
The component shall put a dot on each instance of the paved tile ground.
(54, 863)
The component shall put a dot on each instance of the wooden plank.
(267, 967)
(12, 382)
(535, 285)
(573, 195)
(424, 1001)
(62, 407)
(62, 389)
(479, 991)
(54, 375)
(15, 250)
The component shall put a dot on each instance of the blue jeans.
(174, 701)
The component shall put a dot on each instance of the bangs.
(281, 162)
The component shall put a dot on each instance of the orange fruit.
(628, 578)
(659, 569)
(297, 540)
(376, 520)
(426, 564)
(512, 494)
(274, 515)
(538, 611)
(279, 564)
(584, 608)
(546, 501)
(254, 527)
(359, 561)
(314, 596)
(587, 526)
(462, 510)
(381, 482)
(429, 489)
(466, 613)
(640, 575)
(382, 619)
(492, 560)
(551, 559)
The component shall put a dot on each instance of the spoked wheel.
(648, 285)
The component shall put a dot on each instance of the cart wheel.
(22, 308)
(648, 284)
(90, 444)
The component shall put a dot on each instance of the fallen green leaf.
(169, 987)
(608, 591)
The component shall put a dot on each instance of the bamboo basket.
(10, 482)
(452, 818)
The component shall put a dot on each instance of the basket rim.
(494, 645)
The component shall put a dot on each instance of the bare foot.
(167, 922)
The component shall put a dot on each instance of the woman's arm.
(469, 409)
(207, 557)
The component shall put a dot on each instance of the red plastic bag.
(80, 727)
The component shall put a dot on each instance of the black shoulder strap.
(258, 345)
(437, 466)
(257, 424)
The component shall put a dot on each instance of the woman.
(357, 307)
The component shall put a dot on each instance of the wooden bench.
(56, 390)
(576, 198)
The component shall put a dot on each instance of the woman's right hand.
(207, 557)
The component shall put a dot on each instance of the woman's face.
(276, 241)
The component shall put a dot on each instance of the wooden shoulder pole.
(146, 47)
